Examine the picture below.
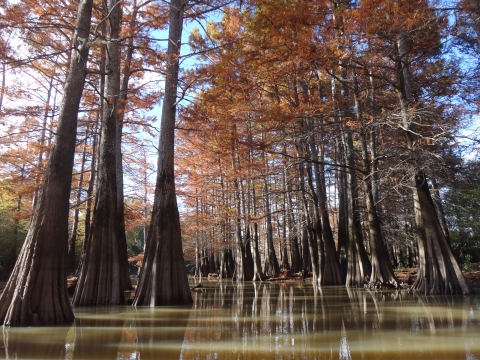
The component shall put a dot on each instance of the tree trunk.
(438, 269)
(71, 259)
(309, 234)
(272, 267)
(257, 262)
(121, 104)
(381, 266)
(358, 264)
(164, 278)
(330, 271)
(104, 273)
(36, 293)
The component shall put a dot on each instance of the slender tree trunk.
(73, 233)
(381, 266)
(2, 88)
(258, 274)
(36, 293)
(309, 234)
(90, 191)
(164, 278)
(121, 104)
(438, 205)
(296, 259)
(46, 113)
(272, 267)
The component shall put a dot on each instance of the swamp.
(265, 320)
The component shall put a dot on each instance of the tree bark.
(438, 269)
(104, 273)
(272, 267)
(257, 262)
(36, 293)
(71, 259)
(164, 278)
(121, 104)
(358, 264)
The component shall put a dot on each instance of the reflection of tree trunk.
(32, 343)
(98, 335)
(161, 333)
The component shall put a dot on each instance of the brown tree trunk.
(164, 277)
(121, 104)
(330, 271)
(104, 273)
(358, 264)
(271, 267)
(36, 293)
(71, 259)
(438, 269)
(257, 262)
(381, 266)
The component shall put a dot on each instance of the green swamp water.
(264, 321)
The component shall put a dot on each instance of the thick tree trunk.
(164, 278)
(36, 293)
(438, 271)
(104, 273)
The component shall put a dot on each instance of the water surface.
(264, 321)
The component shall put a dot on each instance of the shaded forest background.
(300, 127)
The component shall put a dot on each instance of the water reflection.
(265, 321)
